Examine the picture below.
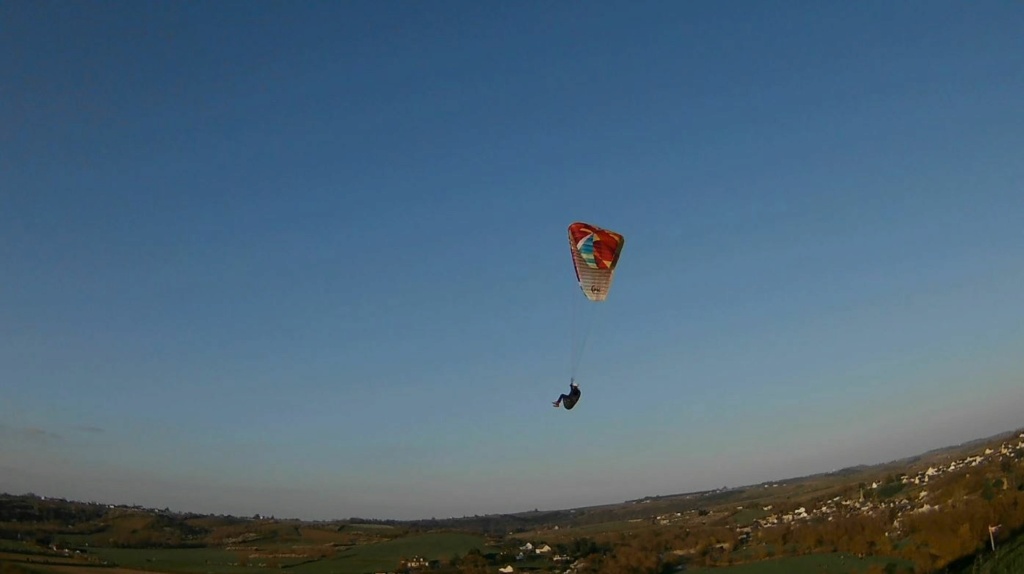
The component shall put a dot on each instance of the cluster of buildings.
(913, 504)
(544, 550)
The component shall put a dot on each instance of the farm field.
(386, 555)
(214, 560)
(359, 559)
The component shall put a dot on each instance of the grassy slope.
(1007, 559)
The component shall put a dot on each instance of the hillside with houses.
(865, 518)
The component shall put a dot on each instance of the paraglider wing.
(595, 253)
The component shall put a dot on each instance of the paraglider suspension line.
(576, 352)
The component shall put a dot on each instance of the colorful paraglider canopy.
(595, 253)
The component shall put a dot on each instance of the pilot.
(569, 401)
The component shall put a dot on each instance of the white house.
(418, 562)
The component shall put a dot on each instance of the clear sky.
(309, 258)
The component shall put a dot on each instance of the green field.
(587, 530)
(385, 555)
(807, 564)
(181, 559)
(357, 560)
(747, 516)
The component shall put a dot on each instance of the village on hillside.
(914, 502)
(874, 499)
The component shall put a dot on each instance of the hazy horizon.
(321, 517)
(310, 260)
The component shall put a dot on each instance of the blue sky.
(310, 259)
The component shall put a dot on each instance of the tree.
(473, 564)
(987, 492)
